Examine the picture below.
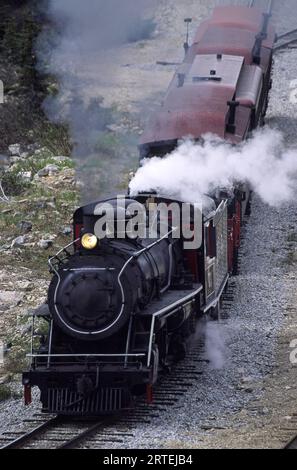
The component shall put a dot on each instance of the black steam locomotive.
(122, 308)
(119, 310)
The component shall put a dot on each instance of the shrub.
(13, 184)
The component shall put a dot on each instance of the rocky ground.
(251, 400)
(33, 224)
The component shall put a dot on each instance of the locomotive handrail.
(66, 357)
(163, 311)
(136, 255)
(58, 253)
(86, 355)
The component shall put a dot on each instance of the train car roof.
(233, 41)
(201, 103)
(237, 17)
(214, 70)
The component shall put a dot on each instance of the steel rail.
(292, 444)
(31, 434)
(87, 433)
(288, 33)
(21, 441)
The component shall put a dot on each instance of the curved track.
(55, 433)
(292, 444)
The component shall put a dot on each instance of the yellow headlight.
(89, 241)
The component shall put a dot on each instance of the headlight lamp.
(89, 241)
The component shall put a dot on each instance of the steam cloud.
(215, 345)
(79, 46)
(73, 48)
(195, 169)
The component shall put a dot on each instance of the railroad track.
(292, 444)
(286, 41)
(55, 433)
(61, 433)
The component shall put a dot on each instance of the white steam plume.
(195, 169)
(81, 46)
(215, 345)
(74, 47)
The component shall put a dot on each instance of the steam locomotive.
(122, 308)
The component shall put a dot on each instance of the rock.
(15, 150)
(9, 299)
(40, 151)
(5, 247)
(61, 159)
(246, 380)
(67, 231)
(25, 285)
(19, 241)
(14, 160)
(26, 329)
(49, 170)
(43, 173)
(40, 205)
(41, 311)
(32, 147)
(44, 203)
(26, 176)
(264, 411)
(25, 226)
(24, 155)
(52, 170)
(45, 244)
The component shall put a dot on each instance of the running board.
(215, 301)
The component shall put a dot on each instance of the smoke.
(215, 345)
(79, 46)
(76, 45)
(195, 169)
